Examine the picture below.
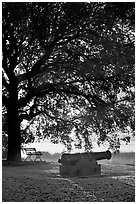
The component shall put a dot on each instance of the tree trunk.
(14, 134)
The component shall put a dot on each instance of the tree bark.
(14, 135)
(13, 122)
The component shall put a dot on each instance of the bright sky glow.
(47, 146)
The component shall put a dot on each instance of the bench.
(32, 151)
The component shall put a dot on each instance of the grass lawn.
(40, 181)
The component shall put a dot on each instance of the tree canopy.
(70, 67)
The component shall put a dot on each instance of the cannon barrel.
(102, 155)
(72, 159)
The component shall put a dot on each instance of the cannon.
(82, 164)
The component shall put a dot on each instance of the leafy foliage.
(73, 64)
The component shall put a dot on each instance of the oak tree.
(67, 67)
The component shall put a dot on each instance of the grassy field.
(123, 158)
(41, 182)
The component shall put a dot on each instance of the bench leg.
(28, 157)
(38, 157)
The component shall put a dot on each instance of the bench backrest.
(29, 150)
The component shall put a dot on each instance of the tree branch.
(58, 118)
(4, 83)
(29, 116)
(5, 100)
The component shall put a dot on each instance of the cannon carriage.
(82, 164)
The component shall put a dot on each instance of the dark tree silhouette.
(67, 67)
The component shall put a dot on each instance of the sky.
(47, 146)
